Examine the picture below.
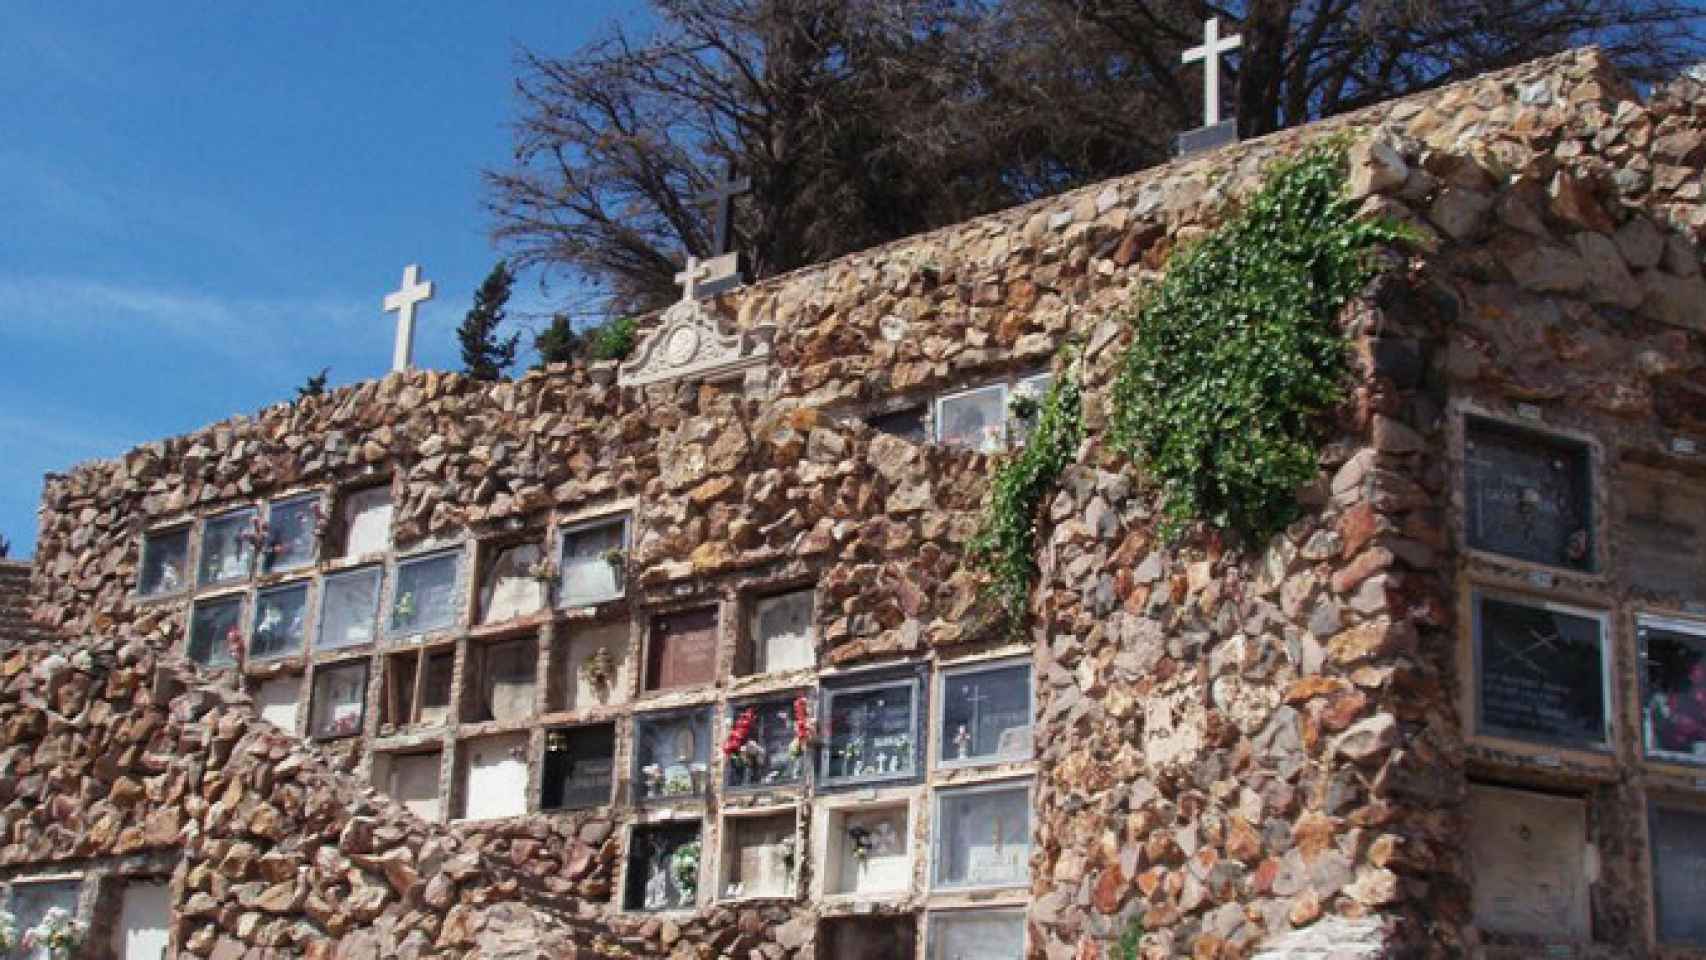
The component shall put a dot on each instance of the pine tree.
(314, 386)
(557, 343)
(485, 356)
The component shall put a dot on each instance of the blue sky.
(204, 203)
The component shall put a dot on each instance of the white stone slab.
(367, 517)
(1528, 855)
(510, 590)
(144, 922)
(412, 780)
(497, 778)
(279, 701)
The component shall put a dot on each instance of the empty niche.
(339, 703)
(579, 768)
(349, 609)
(867, 850)
(758, 856)
(664, 864)
(410, 779)
(868, 938)
(985, 714)
(909, 423)
(440, 668)
(292, 527)
(279, 700)
(780, 633)
(216, 631)
(591, 666)
(227, 548)
(426, 594)
(417, 687)
(511, 586)
(144, 921)
(672, 754)
(402, 680)
(983, 934)
(682, 649)
(279, 629)
(494, 777)
(500, 680)
(165, 562)
(763, 748)
(364, 521)
(592, 560)
(983, 837)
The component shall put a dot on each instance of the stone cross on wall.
(402, 302)
(723, 195)
(1209, 53)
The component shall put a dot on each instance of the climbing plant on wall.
(1238, 355)
(1005, 542)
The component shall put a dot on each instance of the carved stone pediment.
(690, 343)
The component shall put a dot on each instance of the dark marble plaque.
(579, 762)
(869, 938)
(683, 650)
(1528, 496)
(1679, 874)
(1540, 674)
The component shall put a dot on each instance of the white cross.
(403, 301)
(1212, 47)
(697, 270)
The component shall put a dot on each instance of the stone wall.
(1236, 740)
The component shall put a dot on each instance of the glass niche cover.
(872, 730)
(1674, 707)
(983, 837)
(1540, 673)
(292, 526)
(165, 556)
(279, 622)
(767, 741)
(216, 632)
(672, 753)
(340, 700)
(349, 607)
(426, 593)
(228, 548)
(594, 557)
(980, 934)
(986, 714)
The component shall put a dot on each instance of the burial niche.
(682, 649)
(758, 856)
(410, 779)
(590, 665)
(977, 935)
(227, 548)
(280, 627)
(983, 837)
(425, 598)
(144, 921)
(1661, 534)
(672, 753)
(1674, 694)
(767, 743)
(165, 562)
(216, 631)
(867, 849)
(500, 679)
(780, 634)
(580, 764)
(868, 938)
(1527, 495)
(511, 586)
(663, 868)
(494, 777)
(873, 730)
(364, 521)
(292, 527)
(1679, 874)
(594, 556)
(1540, 673)
(339, 704)
(985, 714)
(349, 608)
(279, 699)
(1528, 856)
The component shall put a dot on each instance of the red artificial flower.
(741, 733)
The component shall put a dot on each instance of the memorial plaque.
(278, 699)
(1679, 874)
(869, 850)
(869, 938)
(986, 714)
(579, 764)
(496, 772)
(1540, 674)
(165, 562)
(280, 622)
(426, 597)
(873, 732)
(1674, 695)
(683, 650)
(349, 608)
(340, 700)
(783, 637)
(594, 556)
(1663, 551)
(227, 548)
(983, 837)
(1528, 496)
(974, 420)
(412, 780)
(1528, 861)
(216, 631)
(764, 755)
(760, 857)
(292, 526)
(977, 935)
(672, 753)
(144, 921)
(365, 518)
(591, 665)
(657, 878)
(509, 588)
(506, 675)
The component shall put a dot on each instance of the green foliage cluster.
(485, 355)
(612, 340)
(1131, 940)
(315, 385)
(1005, 541)
(1238, 356)
(558, 342)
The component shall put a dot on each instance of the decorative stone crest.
(689, 342)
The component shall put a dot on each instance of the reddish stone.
(1356, 527)
(1110, 889)
(1367, 564)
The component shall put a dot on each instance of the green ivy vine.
(1238, 355)
(1006, 539)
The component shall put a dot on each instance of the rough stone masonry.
(1448, 712)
